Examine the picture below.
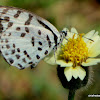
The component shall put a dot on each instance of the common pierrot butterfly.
(26, 38)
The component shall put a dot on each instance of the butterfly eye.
(64, 32)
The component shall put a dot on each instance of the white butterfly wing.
(25, 38)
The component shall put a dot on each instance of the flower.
(76, 52)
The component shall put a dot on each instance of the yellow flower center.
(75, 50)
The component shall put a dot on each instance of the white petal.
(75, 72)
(93, 44)
(73, 30)
(96, 33)
(82, 72)
(63, 63)
(93, 40)
(94, 50)
(70, 35)
(79, 72)
(68, 73)
(90, 34)
(91, 61)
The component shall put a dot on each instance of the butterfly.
(25, 38)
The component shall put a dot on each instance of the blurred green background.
(42, 83)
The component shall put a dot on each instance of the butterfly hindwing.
(25, 37)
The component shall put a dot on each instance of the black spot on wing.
(21, 66)
(40, 49)
(46, 52)
(11, 60)
(40, 43)
(13, 51)
(32, 66)
(17, 14)
(7, 46)
(14, 46)
(25, 53)
(9, 34)
(5, 11)
(30, 62)
(23, 34)
(39, 32)
(10, 24)
(33, 41)
(37, 56)
(49, 42)
(18, 50)
(24, 60)
(17, 56)
(6, 18)
(29, 20)
(27, 29)
(18, 28)
(1, 26)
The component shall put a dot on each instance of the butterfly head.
(64, 32)
(63, 35)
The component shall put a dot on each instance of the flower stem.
(71, 95)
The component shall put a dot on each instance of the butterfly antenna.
(88, 38)
(66, 39)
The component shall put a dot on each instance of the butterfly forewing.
(25, 37)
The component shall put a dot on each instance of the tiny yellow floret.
(75, 50)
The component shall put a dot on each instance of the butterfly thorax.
(63, 34)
